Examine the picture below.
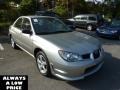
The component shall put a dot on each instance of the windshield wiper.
(44, 33)
(62, 31)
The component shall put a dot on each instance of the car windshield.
(45, 25)
(115, 23)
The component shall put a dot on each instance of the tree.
(27, 7)
(73, 7)
(113, 6)
(16, 1)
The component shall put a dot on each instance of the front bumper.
(77, 70)
(109, 35)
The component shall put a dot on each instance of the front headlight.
(69, 56)
(114, 31)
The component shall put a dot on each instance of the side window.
(18, 23)
(26, 24)
(92, 18)
(77, 18)
(83, 18)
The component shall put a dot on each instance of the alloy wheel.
(42, 64)
(89, 27)
(13, 43)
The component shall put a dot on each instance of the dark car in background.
(53, 14)
(111, 30)
(88, 21)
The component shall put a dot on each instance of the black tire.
(13, 44)
(47, 66)
(89, 27)
(118, 37)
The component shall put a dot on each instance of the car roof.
(42, 12)
(85, 15)
(35, 16)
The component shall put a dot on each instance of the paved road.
(18, 62)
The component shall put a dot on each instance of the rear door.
(93, 21)
(77, 20)
(83, 21)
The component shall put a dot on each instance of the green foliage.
(8, 15)
(71, 7)
(13, 14)
(80, 6)
(16, 1)
(61, 10)
(4, 27)
(27, 7)
(63, 7)
(3, 15)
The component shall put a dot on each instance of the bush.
(13, 15)
(8, 15)
(3, 15)
(4, 27)
(27, 7)
(62, 11)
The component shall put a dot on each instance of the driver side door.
(27, 42)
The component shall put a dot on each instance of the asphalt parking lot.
(17, 62)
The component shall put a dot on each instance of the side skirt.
(25, 50)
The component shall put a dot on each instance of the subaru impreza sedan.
(58, 50)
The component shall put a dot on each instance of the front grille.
(96, 54)
(86, 56)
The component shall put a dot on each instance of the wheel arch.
(36, 50)
(10, 35)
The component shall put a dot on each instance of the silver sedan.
(58, 50)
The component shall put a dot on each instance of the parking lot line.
(1, 47)
(1, 58)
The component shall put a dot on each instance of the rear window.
(18, 23)
(92, 18)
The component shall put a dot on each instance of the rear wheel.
(43, 64)
(89, 27)
(13, 44)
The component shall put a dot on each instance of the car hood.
(73, 42)
(110, 28)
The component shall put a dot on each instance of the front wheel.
(89, 27)
(119, 37)
(43, 64)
